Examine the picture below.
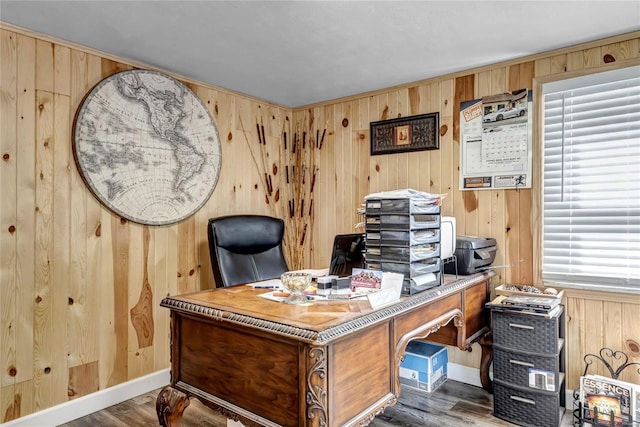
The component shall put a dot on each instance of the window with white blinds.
(591, 191)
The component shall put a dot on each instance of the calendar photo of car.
(505, 113)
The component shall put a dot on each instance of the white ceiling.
(295, 53)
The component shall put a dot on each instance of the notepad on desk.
(271, 297)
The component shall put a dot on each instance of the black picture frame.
(404, 134)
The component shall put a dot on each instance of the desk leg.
(170, 405)
(486, 343)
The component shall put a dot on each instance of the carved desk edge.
(320, 338)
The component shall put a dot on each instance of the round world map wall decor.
(147, 147)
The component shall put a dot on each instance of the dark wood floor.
(453, 404)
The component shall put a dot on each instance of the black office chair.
(246, 248)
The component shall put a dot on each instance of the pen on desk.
(266, 286)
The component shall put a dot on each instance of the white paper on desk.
(389, 292)
(267, 284)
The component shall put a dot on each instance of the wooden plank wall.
(348, 173)
(76, 281)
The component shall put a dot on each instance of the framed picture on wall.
(405, 134)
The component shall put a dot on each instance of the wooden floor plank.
(453, 404)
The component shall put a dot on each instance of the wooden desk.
(327, 364)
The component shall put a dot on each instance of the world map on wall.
(147, 147)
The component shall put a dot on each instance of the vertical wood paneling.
(231, 139)
(95, 269)
(62, 76)
(630, 339)
(244, 182)
(346, 172)
(141, 314)
(433, 158)
(186, 255)
(498, 227)
(601, 320)
(621, 50)
(612, 324)
(158, 270)
(325, 204)
(172, 260)
(383, 162)
(16, 400)
(374, 165)
(255, 188)
(594, 330)
(582, 59)
(413, 166)
(490, 221)
(103, 253)
(83, 380)
(140, 362)
(76, 214)
(120, 248)
(45, 75)
(525, 203)
(26, 200)
(403, 158)
(575, 340)
(9, 285)
(513, 258)
(45, 288)
(449, 166)
(60, 260)
(558, 64)
(335, 184)
(106, 314)
(463, 91)
(137, 254)
(362, 156)
(205, 277)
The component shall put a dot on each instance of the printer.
(473, 254)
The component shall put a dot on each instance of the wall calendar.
(496, 141)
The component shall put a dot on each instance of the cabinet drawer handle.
(523, 400)
(518, 325)
(518, 362)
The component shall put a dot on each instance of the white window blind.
(591, 191)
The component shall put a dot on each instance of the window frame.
(538, 173)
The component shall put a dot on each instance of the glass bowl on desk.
(295, 282)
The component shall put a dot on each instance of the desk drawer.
(523, 332)
(513, 367)
(526, 408)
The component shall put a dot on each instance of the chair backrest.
(246, 248)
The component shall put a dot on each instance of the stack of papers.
(407, 193)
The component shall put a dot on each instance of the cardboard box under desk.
(424, 366)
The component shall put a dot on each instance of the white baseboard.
(85, 405)
(465, 374)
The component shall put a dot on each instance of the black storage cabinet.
(524, 345)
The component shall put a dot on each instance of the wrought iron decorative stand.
(609, 358)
